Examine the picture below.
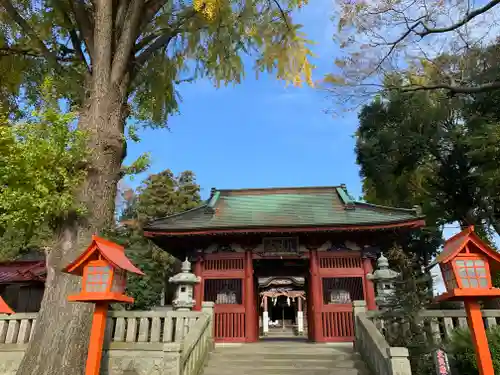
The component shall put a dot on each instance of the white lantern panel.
(472, 273)
(97, 279)
(119, 281)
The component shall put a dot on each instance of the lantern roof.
(4, 308)
(185, 276)
(112, 252)
(454, 245)
(383, 272)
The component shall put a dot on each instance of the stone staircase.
(285, 357)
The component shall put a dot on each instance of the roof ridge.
(389, 208)
(204, 205)
(281, 188)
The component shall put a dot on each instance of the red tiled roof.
(19, 271)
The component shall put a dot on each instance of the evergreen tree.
(403, 326)
(159, 195)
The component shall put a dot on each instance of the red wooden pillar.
(310, 320)
(368, 285)
(198, 288)
(316, 296)
(479, 338)
(250, 310)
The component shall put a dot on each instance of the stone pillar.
(250, 308)
(368, 285)
(300, 316)
(198, 288)
(316, 296)
(399, 362)
(265, 317)
(358, 307)
(208, 309)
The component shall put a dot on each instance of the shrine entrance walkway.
(282, 297)
(273, 356)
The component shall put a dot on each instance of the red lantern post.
(466, 263)
(103, 267)
(4, 308)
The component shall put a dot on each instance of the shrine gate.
(283, 258)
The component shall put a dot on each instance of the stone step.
(285, 357)
(322, 364)
(283, 371)
(283, 349)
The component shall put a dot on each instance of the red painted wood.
(369, 289)
(341, 272)
(316, 296)
(310, 320)
(198, 288)
(283, 257)
(224, 256)
(229, 323)
(230, 274)
(250, 302)
(337, 322)
(417, 223)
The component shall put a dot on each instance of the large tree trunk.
(60, 341)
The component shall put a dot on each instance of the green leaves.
(159, 195)
(164, 194)
(141, 164)
(42, 162)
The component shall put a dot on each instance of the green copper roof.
(282, 207)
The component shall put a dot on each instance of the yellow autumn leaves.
(206, 7)
(290, 57)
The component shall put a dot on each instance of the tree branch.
(150, 9)
(162, 39)
(495, 85)
(25, 26)
(28, 52)
(85, 25)
(103, 35)
(469, 17)
(75, 39)
(152, 48)
(128, 36)
(120, 18)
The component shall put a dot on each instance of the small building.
(283, 258)
(22, 284)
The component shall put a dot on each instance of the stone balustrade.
(136, 343)
(439, 324)
(381, 358)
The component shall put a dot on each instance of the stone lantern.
(185, 281)
(384, 279)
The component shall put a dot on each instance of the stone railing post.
(172, 353)
(208, 309)
(398, 360)
(358, 307)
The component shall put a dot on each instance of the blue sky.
(261, 133)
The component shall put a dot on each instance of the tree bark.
(61, 336)
(60, 341)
